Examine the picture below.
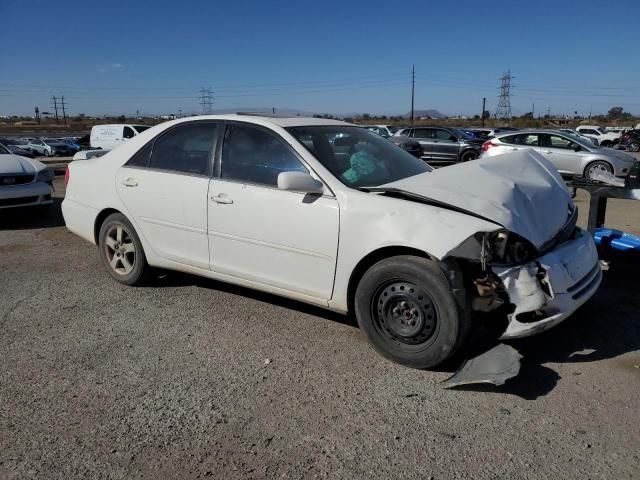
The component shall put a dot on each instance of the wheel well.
(468, 150)
(100, 220)
(372, 258)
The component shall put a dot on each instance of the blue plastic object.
(616, 239)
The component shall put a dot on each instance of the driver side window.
(253, 155)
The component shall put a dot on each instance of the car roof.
(284, 122)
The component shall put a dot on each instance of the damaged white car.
(334, 215)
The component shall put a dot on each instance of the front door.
(283, 239)
(445, 146)
(559, 151)
(164, 187)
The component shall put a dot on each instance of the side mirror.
(299, 182)
(577, 148)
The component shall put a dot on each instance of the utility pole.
(549, 112)
(533, 111)
(273, 110)
(37, 110)
(64, 112)
(503, 112)
(484, 102)
(179, 113)
(413, 90)
(206, 100)
(55, 107)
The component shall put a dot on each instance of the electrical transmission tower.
(206, 100)
(55, 107)
(503, 112)
(64, 111)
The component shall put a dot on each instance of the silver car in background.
(568, 153)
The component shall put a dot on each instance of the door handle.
(129, 182)
(222, 198)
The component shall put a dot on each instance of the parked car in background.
(49, 147)
(71, 143)
(574, 133)
(408, 145)
(331, 214)
(16, 147)
(109, 137)
(570, 155)
(382, 130)
(443, 144)
(631, 140)
(24, 182)
(604, 138)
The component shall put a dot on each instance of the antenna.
(503, 112)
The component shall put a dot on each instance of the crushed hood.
(521, 191)
(15, 164)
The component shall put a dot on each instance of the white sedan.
(331, 214)
(24, 182)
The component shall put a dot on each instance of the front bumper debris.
(549, 289)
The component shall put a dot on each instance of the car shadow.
(24, 218)
(178, 279)
(607, 326)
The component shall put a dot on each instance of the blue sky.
(321, 56)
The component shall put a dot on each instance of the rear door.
(164, 187)
(426, 137)
(257, 232)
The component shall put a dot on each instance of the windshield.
(141, 128)
(358, 157)
(51, 140)
(585, 142)
(3, 150)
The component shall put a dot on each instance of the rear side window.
(185, 148)
(444, 135)
(423, 133)
(255, 156)
(526, 139)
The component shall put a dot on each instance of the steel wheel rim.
(404, 314)
(599, 167)
(120, 250)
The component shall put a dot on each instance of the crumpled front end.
(547, 290)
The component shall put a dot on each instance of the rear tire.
(469, 155)
(406, 307)
(121, 251)
(633, 147)
(598, 165)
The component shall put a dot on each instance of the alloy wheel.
(120, 250)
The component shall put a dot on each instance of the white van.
(108, 137)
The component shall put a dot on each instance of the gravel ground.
(193, 378)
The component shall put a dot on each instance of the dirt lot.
(98, 380)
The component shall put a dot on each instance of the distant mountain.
(425, 113)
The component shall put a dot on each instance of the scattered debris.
(582, 353)
(409, 395)
(267, 361)
(495, 366)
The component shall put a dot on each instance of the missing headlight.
(507, 248)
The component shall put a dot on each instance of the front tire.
(406, 308)
(121, 251)
(598, 165)
(633, 147)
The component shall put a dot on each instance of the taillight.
(66, 177)
(488, 144)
